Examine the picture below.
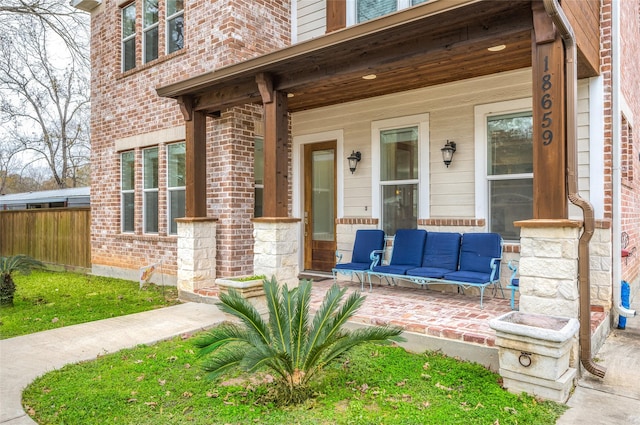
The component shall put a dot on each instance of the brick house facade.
(238, 56)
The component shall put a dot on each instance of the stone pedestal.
(276, 249)
(251, 290)
(548, 267)
(534, 353)
(196, 253)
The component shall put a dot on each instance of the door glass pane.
(511, 200)
(399, 154)
(322, 195)
(510, 147)
(399, 207)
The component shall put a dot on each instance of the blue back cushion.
(408, 246)
(442, 250)
(367, 240)
(477, 251)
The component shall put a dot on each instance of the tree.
(290, 343)
(44, 85)
(54, 15)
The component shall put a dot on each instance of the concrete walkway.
(616, 398)
(24, 358)
(613, 400)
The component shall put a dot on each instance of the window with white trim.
(365, 10)
(150, 30)
(507, 165)
(401, 148)
(150, 190)
(176, 189)
(127, 191)
(175, 25)
(129, 37)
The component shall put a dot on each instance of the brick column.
(276, 249)
(196, 253)
(549, 267)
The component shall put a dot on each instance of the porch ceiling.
(419, 47)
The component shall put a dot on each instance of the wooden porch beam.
(549, 119)
(276, 156)
(228, 96)
(196, 165)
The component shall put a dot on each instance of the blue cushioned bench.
(469, 260)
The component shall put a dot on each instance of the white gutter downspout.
(571, 75)
(616, 153)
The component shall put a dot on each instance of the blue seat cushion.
(392, 269)
(367, 240)
(442, 250)
(468, 276)
(408, 246)
(353, 266)
(515, 282)
(431, 272)
(477, 250)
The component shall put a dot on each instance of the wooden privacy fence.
(58, 236)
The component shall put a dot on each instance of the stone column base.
(276, 249)
(196, 253)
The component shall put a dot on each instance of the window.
(127, 193)
(175, 25)
(175, 184)
(399, 178)
(171, 21)
(150, 190)
(509, 171)
(150, 30)
(366, 10)
(129, 37)
(258, 170)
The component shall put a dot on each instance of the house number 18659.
(546, 103)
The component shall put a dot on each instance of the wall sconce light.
(353, 159)
(447, 152)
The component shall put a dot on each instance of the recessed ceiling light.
(290, 94)
(497, 48)
(369, 77)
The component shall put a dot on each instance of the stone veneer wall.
(276, 249)
(127, 114)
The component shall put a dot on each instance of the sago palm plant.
(294, 346)
(9, 265)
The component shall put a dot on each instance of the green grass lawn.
(163, 384)
(47, 300)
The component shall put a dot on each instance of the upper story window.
(175, 25)
(150, 30)
(129, 37)
(365, 10)
(162, 25)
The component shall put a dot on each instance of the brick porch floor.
(424, 311)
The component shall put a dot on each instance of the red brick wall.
(630, 170)
(217, 33)
(630, 122)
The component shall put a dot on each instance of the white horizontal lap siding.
(583, 146)
(312, 19)
(451, 116)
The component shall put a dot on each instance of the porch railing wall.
(56, 236)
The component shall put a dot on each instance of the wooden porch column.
(336, 15)
(549, 125)
(276, 143)
(196, 159)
